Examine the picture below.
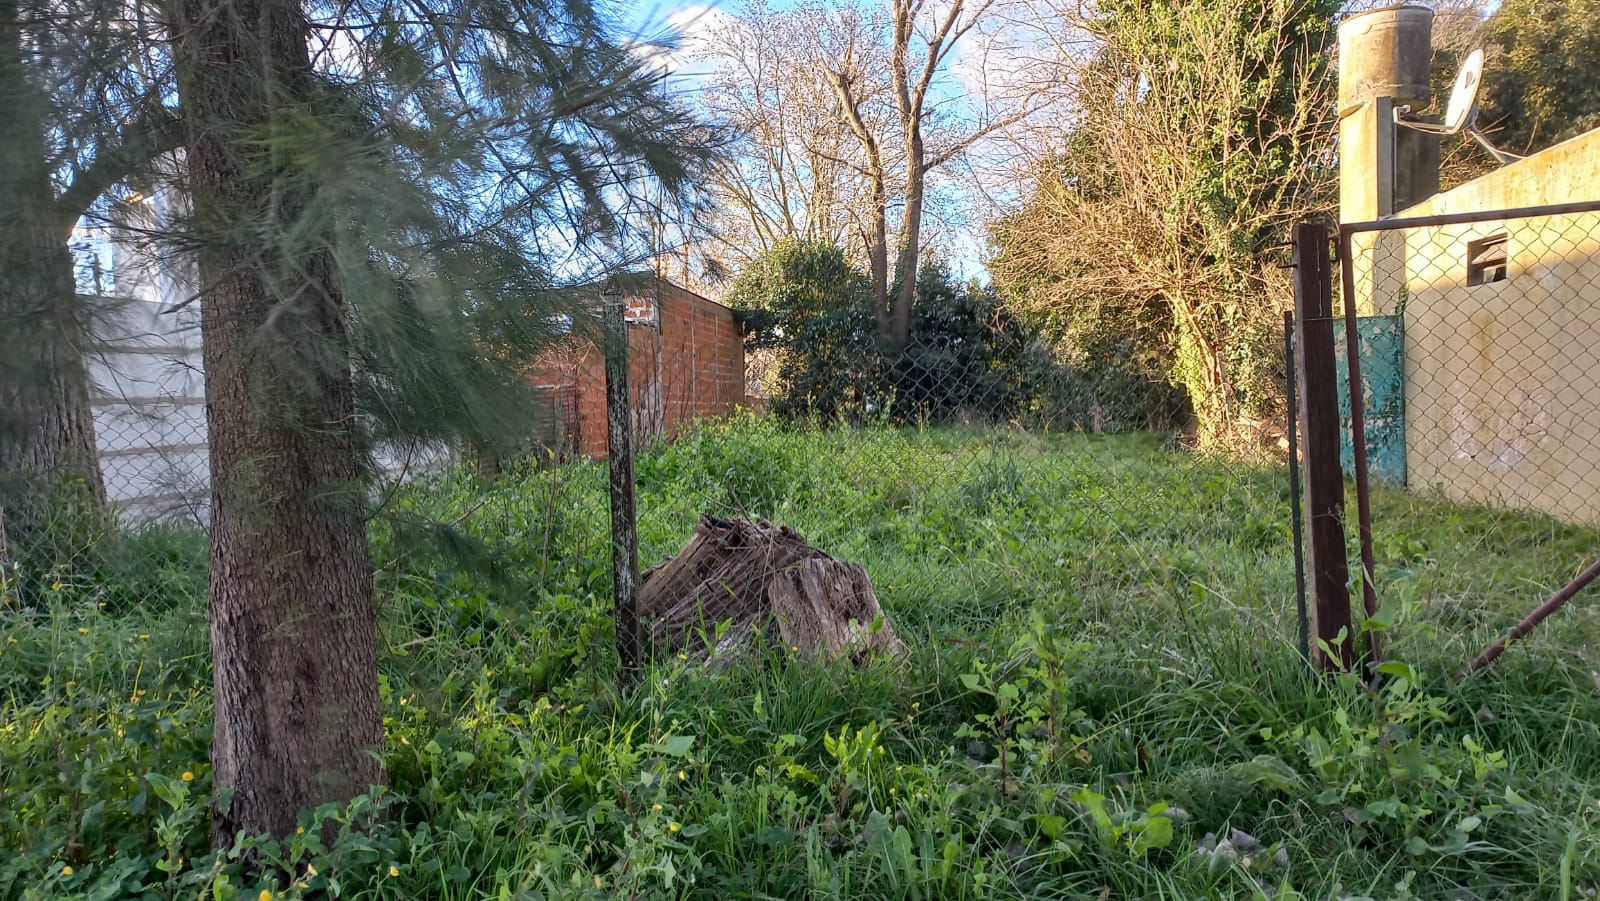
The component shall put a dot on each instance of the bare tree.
(922, 39)
(792, 170)
(1198, 137)
(847, 116)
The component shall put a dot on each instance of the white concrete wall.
(148, 378)
(148, 390)
(147, 381)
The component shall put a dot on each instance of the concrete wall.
(1503, 378)
(147, 381)
(147, 378)
(148, 392)
(686, 363)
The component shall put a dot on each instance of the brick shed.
(686, 357)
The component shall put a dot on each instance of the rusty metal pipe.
(1538, 616)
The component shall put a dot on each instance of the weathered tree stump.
(823, 603)
(735, 576)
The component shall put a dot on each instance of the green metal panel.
(1382, 343)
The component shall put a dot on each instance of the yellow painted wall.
(1502, 379)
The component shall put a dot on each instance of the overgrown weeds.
(1102, 698)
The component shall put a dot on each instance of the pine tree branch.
(155, 131)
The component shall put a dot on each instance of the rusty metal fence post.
(1327, 565)
(624, 511)
(1296, 522)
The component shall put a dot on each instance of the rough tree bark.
(46, 423)
(824, 604)
(292, 620)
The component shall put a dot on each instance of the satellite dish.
(1461, 112)
(1463, 106)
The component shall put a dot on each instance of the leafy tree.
(968, 357)
(811, 328)
(1198, 141)
(376, 210)
(1542, 83)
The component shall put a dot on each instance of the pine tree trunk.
(46, 422)
(292, 621)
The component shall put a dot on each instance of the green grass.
(1102, 669)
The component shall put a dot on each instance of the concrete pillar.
(1384, 60)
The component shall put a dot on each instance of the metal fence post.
(624, 513)
(1327, 565)
(1291, 390)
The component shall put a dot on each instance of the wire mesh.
(972, 473)
(1479, 343)
(1500, 374)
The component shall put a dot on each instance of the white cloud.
(680, 41)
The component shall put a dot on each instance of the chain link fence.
(1484, 337)
(148, 393)
(975, 469)
(1478, 342)
(974, 473)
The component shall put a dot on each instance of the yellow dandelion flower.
(682, 775)
(65, 871)
(683, 656)
(673, 827)
(299, 830)
(394, 870)
(82, 630)
(55, 586)
(187, 776)
(265, 895)
(144, 636)
(655, 807)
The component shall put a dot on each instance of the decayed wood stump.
(735, 576)
(823, 603)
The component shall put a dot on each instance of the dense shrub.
(968, 358)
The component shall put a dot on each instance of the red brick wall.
(686, 364)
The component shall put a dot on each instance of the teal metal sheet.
(1382, 346)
